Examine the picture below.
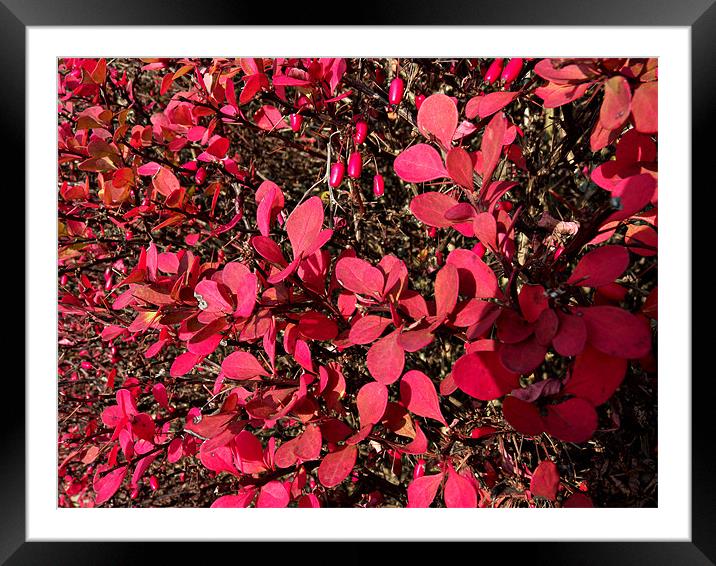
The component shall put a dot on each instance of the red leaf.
(459, 491)
(617, 332)
(165, 182)
(273, 495)
(368, 329)
(634, 193)
(616, 104)
(371, 401)
(481, 375)
(533, 301)
(414, 340)
(459, 166)
(523, 416)
(417, 393)
(491, 146)
(183, 364)
(595, 376)
(269, 250)
(522, 357)
(242, 365)
(243, 283)
(438, 116)
(645, 108)
(577, 500)
(571, 336)
(359, 276)
(485, 227)
(304, 225)
(476, 278)
(422, 490)
(386, 359)
(269, 117)
(107, 485)
(572, 421)
(486, 105)
(600, 266)
(446, 289)
(545, 480)
(317, 326)
(271, 201)
(419, 163)
(430, 208)
(337, 465)
(243, 499)
(308, 445)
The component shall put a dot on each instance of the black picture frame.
(698, 15)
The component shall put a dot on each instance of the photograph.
(397, 282)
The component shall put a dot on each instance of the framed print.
(395, 281)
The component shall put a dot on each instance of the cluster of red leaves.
(273, 320)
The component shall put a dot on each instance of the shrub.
(330, 282)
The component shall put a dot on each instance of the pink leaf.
(430, 208)
(459, 166)
(107, 485)
(317, 326)
(616, 104)
(359, 276)
(417, 393)
(419, 163)
(491, 146)
(386, 359)
(272, 495)
(242, 365)
(336, 466)
(477, 280)
(304, 224)
(368, 329)
(645, 108)
(371, 400)
(446, 290)
(545, 480)
(459, 491)
(481, 375)
(600, 266)
(422, 490)
(438, 116)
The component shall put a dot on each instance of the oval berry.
(395, 92)
(378, 185)
(355, 165)
(336, 176)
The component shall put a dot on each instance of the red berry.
(355, 165)
(395, 92)
(493, 71)
(378, 185)
(64, 279)
(295, 121)
(337, 171)
(154, 483)
(512, 71)
(419, 99)
(504, 205)
(361, 132)
(433, 232)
